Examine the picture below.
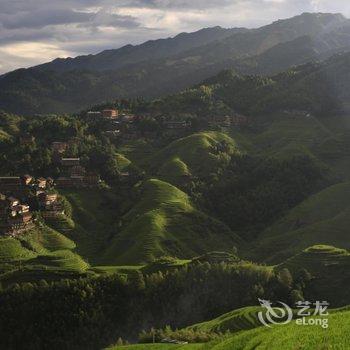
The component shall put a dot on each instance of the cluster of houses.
(116, 123)
(18, 195)
(74, 175)
(104, 114)
(296, 113)
(123, 126)
(15, 217)
(114, 117)
(228, 121)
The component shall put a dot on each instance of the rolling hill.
(165, 222)
(289, 337)
(321, 219)
(235, 321)
(328, 266)
(94, 215)
(292, 336)
(198, 155)
(42, 253)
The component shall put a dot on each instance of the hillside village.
(126, 126)
(73, 174)
(21, 195)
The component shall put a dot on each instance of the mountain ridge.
(164, 66)
(151, 49)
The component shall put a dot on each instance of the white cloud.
(26, 54)
(342, 6)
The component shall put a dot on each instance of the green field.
(161, 347)
(165, 222)
(321, 219)
(94, 218)
(328, 266)
(289, 337)
(42, 253)
(122, 162)
(137, 152)
(326, 140)
(237, 320)
(291, 135)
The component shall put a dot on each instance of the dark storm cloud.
(53, 16)
(42, 18)
(41, 13)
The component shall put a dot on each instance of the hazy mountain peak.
(312, 21)
(163, 66)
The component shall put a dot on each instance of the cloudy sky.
(36, 31)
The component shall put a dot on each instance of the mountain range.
(165, 66)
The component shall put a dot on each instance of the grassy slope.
(291, 135)
(237, 320)
(336, 150)
(4, 136)
(288, 337)
(122, 162)
(159, 347)
(317, 259)
(46, 250)
(326, 140)
(292, 336)
(321, 219)
(198, 155)
(164, 221)
(94, 219)
(329, 266)
(41, 253)
(138, 152)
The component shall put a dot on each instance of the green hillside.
(4, 136)
(328, 266)
(42, 253)
(161, 347)
(197, 155)
(237, 320)
(321, 219)
(94, 215)
(291, 135)
(326, 140)
(318, 259)
(122, 161)
(289, 337)
(165, 222)
(292, 336)
(12, 250)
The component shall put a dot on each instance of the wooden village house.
(14, 216)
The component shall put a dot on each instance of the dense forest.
(93, 313)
